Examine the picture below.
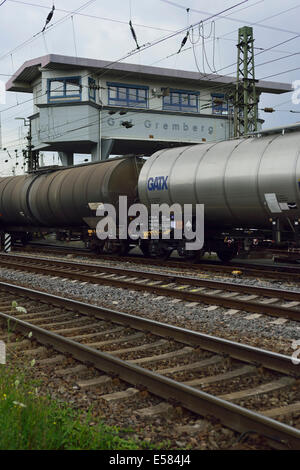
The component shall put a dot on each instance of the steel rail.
(240, 419)
(245, 305)
(192, 281)
(274, 361)
(270, 272)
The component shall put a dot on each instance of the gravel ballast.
(261, 332)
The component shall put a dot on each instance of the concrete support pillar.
(95, 153)
(67, 158)
(106, 148)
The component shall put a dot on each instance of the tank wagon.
(249, 188)
(64, 201)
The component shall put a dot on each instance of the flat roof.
(22, 80)
(295, 127)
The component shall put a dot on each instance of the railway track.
(209, 376)
(258, 300)
(281, 273)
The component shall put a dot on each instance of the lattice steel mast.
(245, 112)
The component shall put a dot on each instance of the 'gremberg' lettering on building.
(174, 127)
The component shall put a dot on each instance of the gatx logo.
(159, 183)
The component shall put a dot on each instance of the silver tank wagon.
(242, 183)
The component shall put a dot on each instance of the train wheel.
(159, 250)
(191, 255)
(25, 238)
(124, 248)
(110, 247)
(93, 245)
(144, 247)
(154, 249)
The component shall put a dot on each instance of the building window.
(120, 94)
(181, 100)
(64, 89)
(219, 105)
(92, 89)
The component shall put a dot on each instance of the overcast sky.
(100, 30)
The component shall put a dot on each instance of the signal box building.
(104, 108)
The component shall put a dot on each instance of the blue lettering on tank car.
(159, 183)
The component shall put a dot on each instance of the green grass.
(32, 422)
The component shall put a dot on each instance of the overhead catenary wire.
(13, 68)
(33, 38)
(208, 76)
(117, 109)
(242, 20)
(118, 118)
(170, 36)
(74, 36)
(281, 73)
(77, 12)
(204, 38)
(86, 15)
(146, 46)
(30, 99)
(128, 114)
(272, 48)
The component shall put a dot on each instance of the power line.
(231, 32)
(102, 18)
(279, 51)
(281, 73)
(207, 76)
(221, 86)
(28, 41)
(145, 46)
(102, 120)
(108, 19)
(278, 58)
(241, 20)
(78, 13)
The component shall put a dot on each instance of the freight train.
(250, 188)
